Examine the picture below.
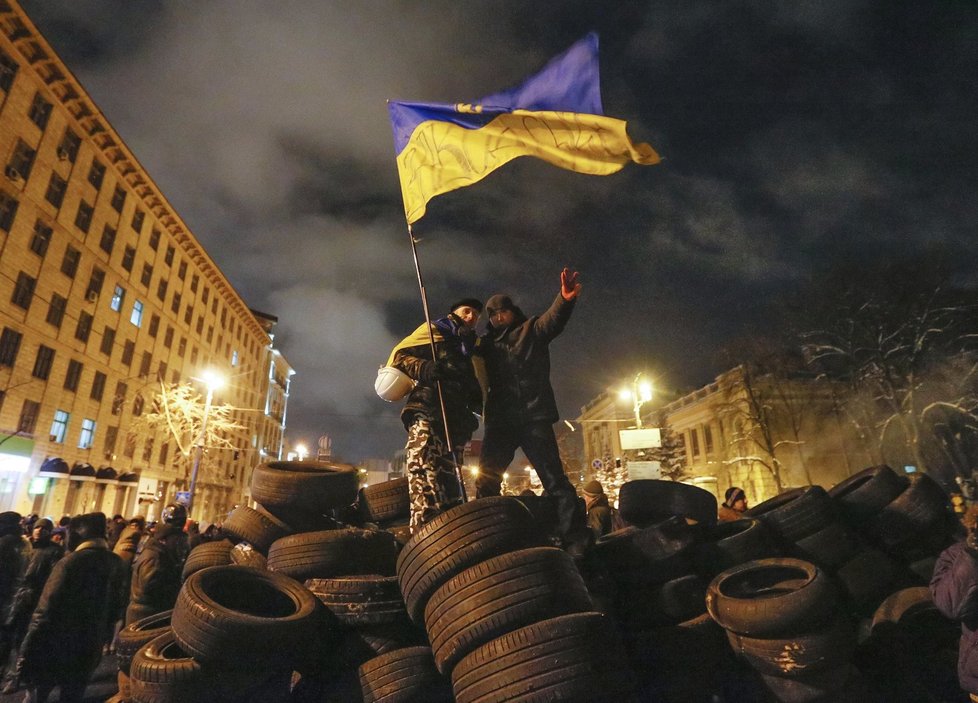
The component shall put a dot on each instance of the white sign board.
(147, 489)
(638, 470)
(640, 439)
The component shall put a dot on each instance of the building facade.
(104, 294)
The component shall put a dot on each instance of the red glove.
(570, 287)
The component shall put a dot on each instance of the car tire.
(247, 525)
(648, 501)
(384, 502)
(207, 554)
(796, 513)
(864, 494)
(803, 653)
(310, 487)
(403, 676)
(330, 553)
(135, 635)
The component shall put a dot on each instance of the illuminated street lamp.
(639, 393)
(213, 381)
(302, 451)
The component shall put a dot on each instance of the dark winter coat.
(43, 556)
(74, 616)
(954, 588)
(518, 366)
(155, 581)
(11, 568)
(599, 517)
(460, 388)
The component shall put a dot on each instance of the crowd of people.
(67, 589)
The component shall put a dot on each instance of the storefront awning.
(106, 474)
(54, 467)
(16, 446)
(82, 472)
(130, 478)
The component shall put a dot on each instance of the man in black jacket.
(520, 407)
(433, 482)
(156, 574)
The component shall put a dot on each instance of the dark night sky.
(797, 137)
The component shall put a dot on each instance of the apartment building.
(104, 294)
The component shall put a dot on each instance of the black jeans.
(538, 442)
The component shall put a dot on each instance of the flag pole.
(434, 357)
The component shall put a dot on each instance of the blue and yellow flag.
(555, 115)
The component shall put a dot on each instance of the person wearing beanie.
(74, 615)
(733, 506)
(599, 518)
(433, 471)
(954, 590)
(520, 405)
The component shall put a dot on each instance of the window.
(83, 220)
(128, 258)
(108, 339)
(137, 406)
(8, 210)
(118, 296)
(128, 349)
(164, 452)
(694, 441)
(182, 270)
(22, 160)
(148, 450)
(98, 386)
(23, 291)
(161, 289)
(210, 333)
(168, 257)
(42, 362)
(144, 365)
(28, 417)
(118, 198)
(206, 294)
(108, 239)
(175, 303)
(193, 355)
(87, 436)
(175, 376)
(84, 327)
(96, 173)
(147, 276)
(56, 309)
(194, 282)
(8, 69)
(182, 347)
(56, 190)
(119, 398)
(41, 238)
(214, 306)
(69, 264)
(73, 375)
(234, 358)
(708, 439)
(188, 315)
(40, 111)
(59, 427)
(111, 436)
(168, 338)
(154, 325)
(154, 239)
(138, 217)
(95, 282)
(161, 371)
(9, 346)
(137, 313)
(200, 324)
(68, 148)
(130, 449)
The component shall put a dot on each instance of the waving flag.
(555, 115)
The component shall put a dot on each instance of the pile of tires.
(387, 506)
(783, 621)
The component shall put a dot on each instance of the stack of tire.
(506, 617)
(783, 621)
(386, 506)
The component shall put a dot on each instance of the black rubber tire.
(498, 596)
(383, 502)
(648, 501)
(207, 554)
(639, 557)
(331, 553)
(729, 544)
(244, 554)
(904, 603)
(771, 597)
(796, 513)
(358, 601)
(403, 676)
(830, 547)
(820, 687)
(544, 511)
(868, 578)
(244, 524)
(457, 539)
(921, 509)
(133, 636)
(680, 600)
(862, 495)
(803, 653)
(303, 486)
(162, 672)
(245, 616)
(569, 658)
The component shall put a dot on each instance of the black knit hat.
(733, 494)
(499, 302)
(473, 303)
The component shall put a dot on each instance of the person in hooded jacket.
(41, 560)
(520, 405)
(433, 480)
(74, 615)
(599, 516)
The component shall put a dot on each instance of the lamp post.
(639, 393)
(213, 381)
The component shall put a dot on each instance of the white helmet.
(392, 384)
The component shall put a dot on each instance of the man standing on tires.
(433, 480)
(520, 407)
